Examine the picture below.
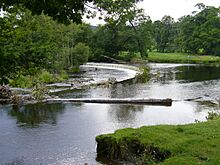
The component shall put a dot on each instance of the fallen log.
(193, 99)
(163, 102)
(110, 59)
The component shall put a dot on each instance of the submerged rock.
(5, 95)
(112, 80)
(8, 97)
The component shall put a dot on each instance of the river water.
(64, 133)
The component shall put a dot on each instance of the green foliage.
(43, 77)
(200, 33)
(182, 144)
(29, 44)
(46, 77)
(127, 29)
(67, 11)
(80, 54)
(164, 34)
(62, 76)
(129, 56)
(22, 81)
(63, 11)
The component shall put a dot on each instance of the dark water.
(65, 133)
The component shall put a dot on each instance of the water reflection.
(124, 113)
(34, 114)
(190, 73)
(198, 73)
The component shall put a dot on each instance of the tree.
(200, 33)
(164, 31)
(6, 58)
(63, 11)
(124, 20)
(125, 12)
(80, 54)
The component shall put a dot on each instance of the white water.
(118, 72)
(129, 71)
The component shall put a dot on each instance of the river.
(64, 133)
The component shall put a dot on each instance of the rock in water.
(5, 92)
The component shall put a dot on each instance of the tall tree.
(124, 14)
(164, 31)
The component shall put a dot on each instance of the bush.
(62, 76)
(22, 81)
(46, 77)
(81, 54)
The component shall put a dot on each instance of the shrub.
(62, 76)
(46, 77)
(22, 81)
(81, 54)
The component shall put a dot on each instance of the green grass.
(43, 77)
(165, 144)
(182, 58)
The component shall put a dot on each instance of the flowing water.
(64, 133)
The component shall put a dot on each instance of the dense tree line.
(201, 33)
(198, 33)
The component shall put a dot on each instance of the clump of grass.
(165, 144)
(46, 77)
(62, 76)
(144, 76)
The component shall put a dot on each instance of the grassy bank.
(182, 58)
(183, 144)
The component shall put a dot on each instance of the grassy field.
(182, 58)
(183, 144)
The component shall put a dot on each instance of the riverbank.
(182, 58)
(91, 76)
(164, 144)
